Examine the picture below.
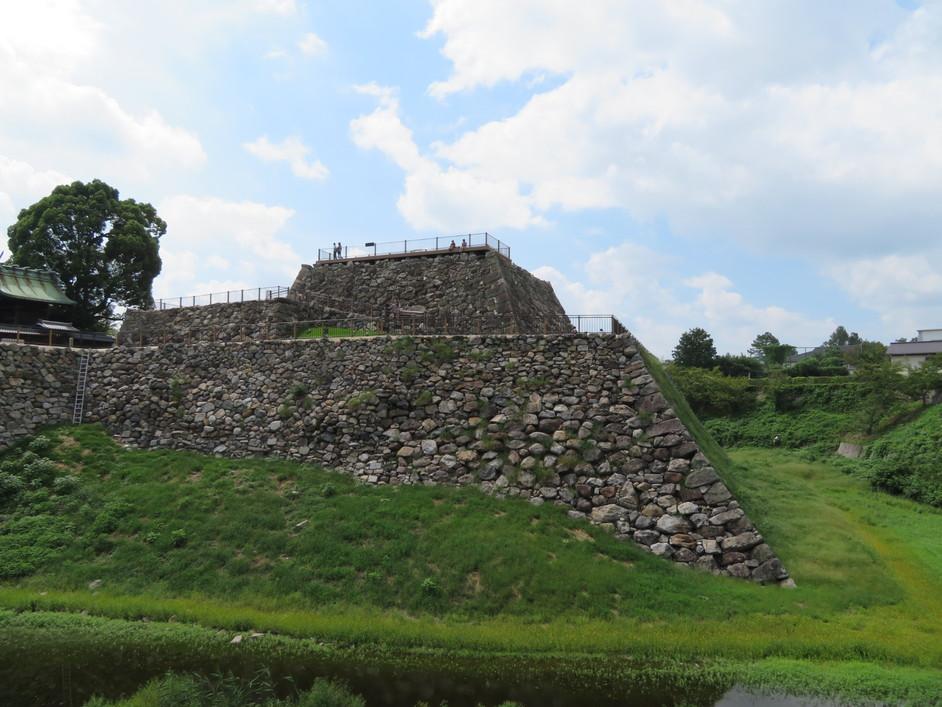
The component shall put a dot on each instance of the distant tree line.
(719, 385)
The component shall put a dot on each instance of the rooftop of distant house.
(414, 248)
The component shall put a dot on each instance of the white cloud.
(791, 128)
(43, 47)
(640, 286)
(275, 7)
(210, 240)
(434, 198)
(292, 151)
(312, 45)
(21, 184)
(905, 290)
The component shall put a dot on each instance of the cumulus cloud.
(43, 46)
(21, 184)
(249, 234)
(905, 290)
(437, 198)
(292, 151)
(275, 7)
(312, 45)
(640, 286)
(791, 129)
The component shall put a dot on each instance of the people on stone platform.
(464, 243)
(452, 246)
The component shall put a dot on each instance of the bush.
(65, 485)
(39, 473)
(40, 445)
(10, 487)
(711, 394)
(430, 587)
(324, 693)
(905, 461)
(740, 366)
(178, 538)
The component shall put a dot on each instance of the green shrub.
(39, 473)
(328, 490)
(408, 374)
(440, 352)
(430, 587)
(324, 693)
(10, 487)
(424, 398)
(65, 485)
(711, 394)
(358, 400)
(178, 537)
(40, 445)
(905, 461)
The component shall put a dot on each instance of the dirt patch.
(580, 535)
(623, 563)
(474, 582)
(67, 442)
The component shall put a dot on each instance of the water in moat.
(464, 682)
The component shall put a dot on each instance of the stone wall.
(37, 388)
(473, 292)
(236, 321)
(574, 420)
(466, 293)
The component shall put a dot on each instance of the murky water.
(464, 683)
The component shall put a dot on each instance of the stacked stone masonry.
(479, 292)
(37, 388)
(236, 321)
(472, 292)
(573, 420)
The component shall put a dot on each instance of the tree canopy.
(695, 349)
(839, 337)
(761, 343)
(104, 249)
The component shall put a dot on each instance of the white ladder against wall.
(79, 407)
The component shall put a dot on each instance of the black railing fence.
(248, 294)
(416, 246)
(399, 324)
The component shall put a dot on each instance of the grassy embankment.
(902, 454)
(426, 574)
(336, 331)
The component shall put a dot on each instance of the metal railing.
(249, 294)
(434, 323)
(417, 246)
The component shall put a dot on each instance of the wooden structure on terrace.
(34, 309)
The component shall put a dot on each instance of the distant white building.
(912, 353)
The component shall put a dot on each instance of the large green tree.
(839, 337)
(761, 343)
(104, 248)
(695, 349)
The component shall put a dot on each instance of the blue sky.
(736, 165)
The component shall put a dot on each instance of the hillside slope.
(907, 460)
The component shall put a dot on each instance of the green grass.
(267, 549)
(336, 331)
(818, 431)
(190, 690)
(906, 459)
